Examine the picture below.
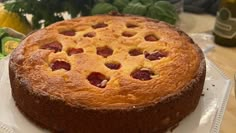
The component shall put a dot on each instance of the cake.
(107, 74)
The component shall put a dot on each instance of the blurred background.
(45, 12)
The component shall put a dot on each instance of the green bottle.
(225, 25)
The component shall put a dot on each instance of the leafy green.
(135, 8)
(2, 33)
(164, 11)
(156, 9)
(1, 56)
(46, 12)
(135, 1)
(120, 4)
(147, 2)
(102, 8)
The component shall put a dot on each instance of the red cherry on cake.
(128, 34)
(73, 51)
(113, 65)
(104, 51)
(129, 25)
(135, 52)
(99, 25)
(155, 55)
(97, 79)
(90, 34)
(68, 33)
(151, 38)
(60, 65)
(55, 46)
(142, 74)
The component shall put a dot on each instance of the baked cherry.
(68, 33)
(151, 38)
(104, 51)
(135, 52)
(97, 79)
(128, 34)
(142, 74)
(75, 51)
(113, 65)
(60, 65)
(55, 46)
(90, 34)
(129, 25)
(99, 25)
(154, 56)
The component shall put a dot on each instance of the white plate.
(205, 119)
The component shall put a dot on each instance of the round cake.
(107, 74)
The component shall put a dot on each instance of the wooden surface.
(223, 57)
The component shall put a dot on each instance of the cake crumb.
(203, 94)
(207, 88)
(213, 85)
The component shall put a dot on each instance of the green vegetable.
(103, 8)
(135, 8)
(147, 2)
(1, 56)
(120, 4)
(46, 12)
(164, 11)
(9, 44)
(2, 33)
(135, 1)
(156, 9)
(9, 40)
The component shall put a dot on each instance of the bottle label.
(225, 25)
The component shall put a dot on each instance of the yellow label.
(231, 1)
(10, 46)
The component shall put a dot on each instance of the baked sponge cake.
(107, 74)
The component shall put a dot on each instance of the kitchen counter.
(223, 57)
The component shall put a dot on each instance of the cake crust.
(69, 103)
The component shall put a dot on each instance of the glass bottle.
(225, 25)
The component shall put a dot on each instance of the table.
(223, 57)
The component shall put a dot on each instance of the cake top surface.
(107, 61)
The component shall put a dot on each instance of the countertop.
(223, 57)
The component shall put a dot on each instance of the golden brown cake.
(107, 74)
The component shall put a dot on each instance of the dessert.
(103, 74)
